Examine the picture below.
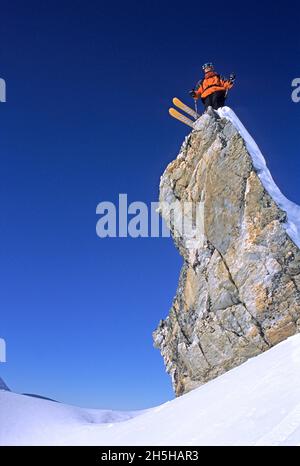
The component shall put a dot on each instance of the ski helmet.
(207, 65)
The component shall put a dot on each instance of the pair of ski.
(179, 116)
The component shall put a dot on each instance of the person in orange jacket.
(213, 88)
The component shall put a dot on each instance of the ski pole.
(196, 107)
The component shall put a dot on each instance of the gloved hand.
(193, 93)
(232, 77)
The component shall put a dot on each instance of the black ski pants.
(215, 100)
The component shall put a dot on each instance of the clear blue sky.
(88, 88)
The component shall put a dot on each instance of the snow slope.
(257, 403)
(292, 225)
(26, 420)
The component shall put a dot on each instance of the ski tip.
(179, 116)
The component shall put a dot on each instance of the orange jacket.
(212, 82)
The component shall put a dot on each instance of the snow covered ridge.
(3, 385)
(292, 225)
(256, 403)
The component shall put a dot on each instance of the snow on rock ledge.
(292, 225)
(238, 292)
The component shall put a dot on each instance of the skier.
(213, 88)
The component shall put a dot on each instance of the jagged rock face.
(238, 291)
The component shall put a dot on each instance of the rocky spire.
(238, 291)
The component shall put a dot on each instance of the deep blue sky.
(88, 88)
